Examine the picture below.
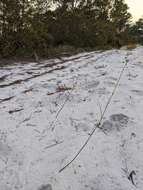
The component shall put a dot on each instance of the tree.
(28, 26)
(136, 31)
(120, 19)
(120, 16)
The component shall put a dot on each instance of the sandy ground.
(48, 110)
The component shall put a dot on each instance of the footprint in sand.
(45, 187)
(116, 122)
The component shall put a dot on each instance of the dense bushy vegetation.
(136, 31)
(29, 27)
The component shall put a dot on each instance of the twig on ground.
(52, 145)
(15, 111)
(131, 178)
(6, 99)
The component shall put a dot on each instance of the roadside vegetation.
(45, 28)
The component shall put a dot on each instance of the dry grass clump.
(131, 46)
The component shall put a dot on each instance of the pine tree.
(136, 31)
(120, 16)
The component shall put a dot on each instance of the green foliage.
(28, 26)
(136, 31)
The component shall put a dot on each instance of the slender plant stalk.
(101, 118)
